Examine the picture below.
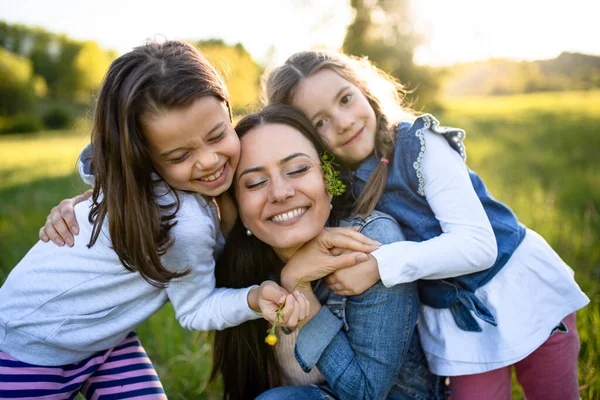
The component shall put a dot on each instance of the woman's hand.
(61, 224)
(323, 255)
(354, 280)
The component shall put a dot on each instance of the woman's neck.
(287, 253)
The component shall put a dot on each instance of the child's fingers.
(287, 312)
(302, 305)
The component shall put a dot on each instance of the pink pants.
(550, 372)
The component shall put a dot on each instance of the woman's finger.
(346, 260)
(66, 209)
(353, 233)
(331, 239)
(52, 234)
(42, 235)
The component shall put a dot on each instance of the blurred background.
(522, 77)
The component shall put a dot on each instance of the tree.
(240, 71)
(383, 31)
(90, 66)
(17, 84)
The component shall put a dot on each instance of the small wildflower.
(271, 338)
(333, 184)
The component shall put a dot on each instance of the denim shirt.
(365, 345)
(404, 199)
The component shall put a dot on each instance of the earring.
(248, 232)
(330, 206)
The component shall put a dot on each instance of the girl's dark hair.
(384, 93)
(241, 356)
(149, 80)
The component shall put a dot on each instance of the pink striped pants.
(122, 372)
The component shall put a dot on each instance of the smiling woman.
(281, 200)
(336, 351)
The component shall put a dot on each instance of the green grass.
(540, 154)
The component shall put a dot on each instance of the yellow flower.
(271, 340)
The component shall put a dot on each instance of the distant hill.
(568, 71)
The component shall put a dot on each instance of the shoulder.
(428, 124)
(377, 226)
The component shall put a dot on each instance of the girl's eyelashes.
(218, 137)
(181, 158)
(319, 124)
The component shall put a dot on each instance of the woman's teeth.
(289, 215)
(214, 176)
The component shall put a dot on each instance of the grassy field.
(540, 154)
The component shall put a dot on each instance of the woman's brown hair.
(151, 79)
(384, 93)
(241, 356)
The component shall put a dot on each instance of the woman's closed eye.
(299, 170)
(255, 184)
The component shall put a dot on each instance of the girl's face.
(280, 188)
(194, 148)
(340, 112)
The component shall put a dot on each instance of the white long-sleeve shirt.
(60, 305)
(530, 295)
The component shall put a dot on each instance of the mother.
(349, 348)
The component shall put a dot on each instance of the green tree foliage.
(69, 67)
(383, 31)
(240, 71)
(17, 84)
(90, 66)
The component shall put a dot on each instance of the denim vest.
(404, 199)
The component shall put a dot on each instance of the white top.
(60, 305)
(532, 293)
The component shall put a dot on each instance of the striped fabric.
(122, 372)
(292, 374)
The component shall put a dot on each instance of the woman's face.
(280, 189)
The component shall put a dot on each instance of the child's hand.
(354, 280)
(332, 249)
(61, 224)
(271, 296)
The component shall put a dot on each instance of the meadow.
(538, 153)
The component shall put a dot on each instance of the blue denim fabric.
(405, 201)
(361, 344)
(295, 393)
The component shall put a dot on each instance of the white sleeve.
(198, 304)
(467, 243)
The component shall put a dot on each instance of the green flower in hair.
(333, 184)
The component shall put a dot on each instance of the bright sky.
(457, 30)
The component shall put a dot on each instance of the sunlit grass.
(540, 154)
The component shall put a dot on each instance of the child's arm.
(467, 244)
